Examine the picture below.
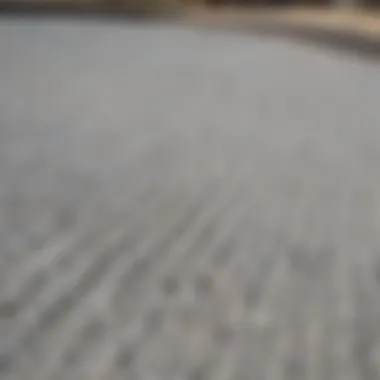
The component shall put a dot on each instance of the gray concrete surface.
(184, 204)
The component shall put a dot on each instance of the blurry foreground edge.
(144, 10)
(345, 39)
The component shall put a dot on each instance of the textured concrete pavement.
(178, 204)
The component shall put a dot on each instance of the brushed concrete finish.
(185, 204)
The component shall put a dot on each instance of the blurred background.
(188, 192)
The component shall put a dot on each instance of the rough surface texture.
(182, 204)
